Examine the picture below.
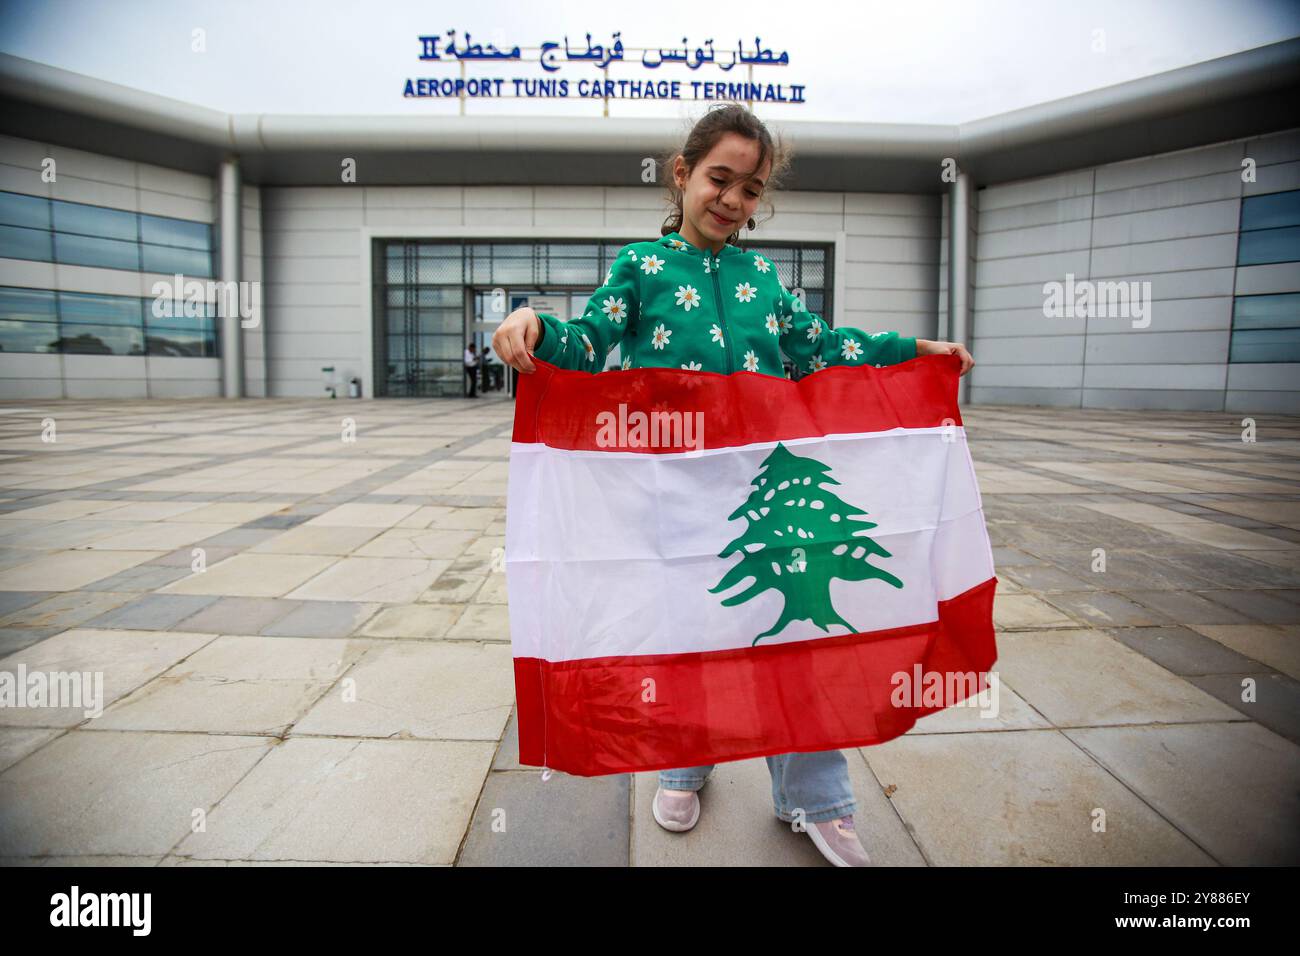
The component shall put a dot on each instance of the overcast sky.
(901, 61)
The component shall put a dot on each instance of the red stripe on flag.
(736, 409)
(588, 717)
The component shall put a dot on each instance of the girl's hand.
(515, 337)
(929, 347)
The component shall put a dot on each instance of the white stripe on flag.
(621, 548)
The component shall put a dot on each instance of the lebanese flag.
(706, 567)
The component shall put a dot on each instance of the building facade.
(1170, 224)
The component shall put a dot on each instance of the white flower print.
(591, 349)
(627, 363)
(851, 349)
(688, 297)
(660, 337)
(616, 309)
(652, 264)
(786, 324)
(876, 335)
(608, 276)
(717, 334)
(745, 292)
(751, 361)
(692, 366)
(761, 264)
(632, 253)
(773, 325)
(677, 244)
(814, 329)
(817, 364)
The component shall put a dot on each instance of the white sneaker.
(839, 843)
(676, 810)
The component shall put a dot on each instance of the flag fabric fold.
(705, 567)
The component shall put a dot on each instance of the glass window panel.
(17, 209)
(503, 263)
(1269, 245)
(28, 305)
(440, 321)
(395, 271)
(19, 243)
(427, 296)
(571, 264)
(191, 323)
(168, 259)
(1266, 311)
(1271, 210)
(79, 308)
(440, 297)
(182, 343)
(446, 347)
(1265, 345)
(396, 321)
(164, 312)
(90, 220)
(165, 231)
(444, 267)
(399, 347)
(105, 253)
(102, 340)
(426, 348)
(20, 336)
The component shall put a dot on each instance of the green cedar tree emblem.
(799, 537)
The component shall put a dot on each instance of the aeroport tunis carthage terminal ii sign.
(477, 67)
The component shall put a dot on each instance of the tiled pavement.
(336, 686)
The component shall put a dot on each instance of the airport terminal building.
(1136, 246)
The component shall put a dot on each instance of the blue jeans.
(817, 782)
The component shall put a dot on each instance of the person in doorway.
(651, 307)
(492, 368)
(471, 371)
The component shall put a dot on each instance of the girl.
(656, 306)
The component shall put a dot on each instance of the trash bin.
(354, 388)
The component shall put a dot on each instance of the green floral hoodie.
(670, 304)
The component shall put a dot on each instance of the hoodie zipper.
(715, 268)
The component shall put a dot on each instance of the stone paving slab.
(433, 690)
(1030, 799)
(515, 821)
(135, 793)
(1224, 785)
(236, 685)
(349, 801)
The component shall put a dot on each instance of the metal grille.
(807, 268)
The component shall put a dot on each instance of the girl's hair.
(723, 118)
